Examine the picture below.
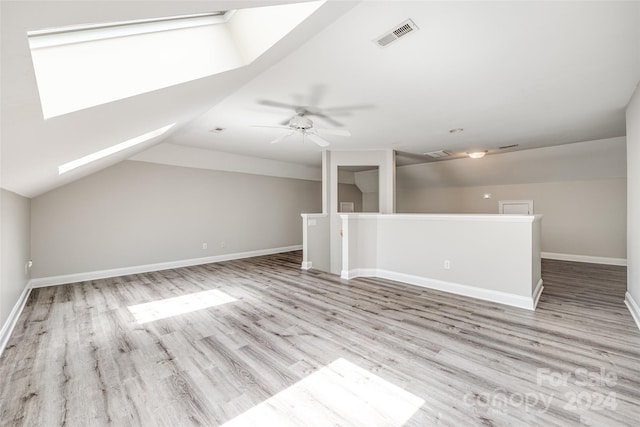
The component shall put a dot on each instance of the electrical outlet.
(205, 246)
(223, 244)
(27, 267)
(447, 264)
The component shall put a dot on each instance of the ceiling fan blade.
(347, 108)
(277, 104)
(315, 138)
(272, 127)
(285, 121)
(282, 138)
(336, 132)
(326, 118)
(316, 94)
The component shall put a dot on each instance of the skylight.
(112, 150)
(82, 66)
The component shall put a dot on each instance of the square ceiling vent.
(401, 30)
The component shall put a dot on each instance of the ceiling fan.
(304, 126)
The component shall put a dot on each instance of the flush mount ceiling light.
(477, 154)
(456, 130)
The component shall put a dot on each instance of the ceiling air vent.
(437, 154)
(394, 34)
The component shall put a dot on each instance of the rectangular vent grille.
(389, 38)
(437, 154)
(394, 34)
(402, 30)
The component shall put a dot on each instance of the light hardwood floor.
(261, 342)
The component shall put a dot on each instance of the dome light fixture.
(477, 154)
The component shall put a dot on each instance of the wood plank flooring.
(261, 342)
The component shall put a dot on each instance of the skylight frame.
(58, 36)
(81, 27)
(101, 154)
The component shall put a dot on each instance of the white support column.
(306, 263)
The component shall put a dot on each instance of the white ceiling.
(529, 73)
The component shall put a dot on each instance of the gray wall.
(15, 250)
(350, 193)
(580, 217)
(368, 183)
(633, 193)
(370, 202)
(580, 189)
(137, 213)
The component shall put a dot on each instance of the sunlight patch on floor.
(339, 394)
(169, 307)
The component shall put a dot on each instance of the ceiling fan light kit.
(304, 126)
(300, 122)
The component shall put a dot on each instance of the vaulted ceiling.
(528, 73)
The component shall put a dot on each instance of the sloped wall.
(137, 213)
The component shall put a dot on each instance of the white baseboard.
(528, 303)
(633, 307)
(306, 265)
(103, 274)
(10, 324)
(358, 272)
(584, 258)
(537, 293)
